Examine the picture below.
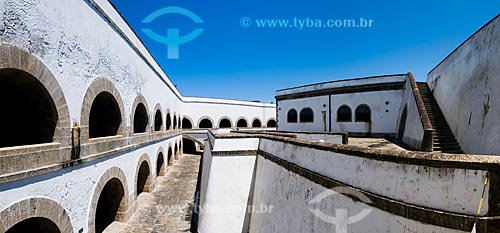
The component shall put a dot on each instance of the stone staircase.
(444, 140)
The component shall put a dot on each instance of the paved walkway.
(168, 207)
(374, 143)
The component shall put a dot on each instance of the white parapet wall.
(436, 188)
(413, 125)
(226, 184)
(292, 180)
(295, 208)
(465, 85)
(76, 50)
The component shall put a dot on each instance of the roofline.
(343, 80)
(165, 80)
(465, 41)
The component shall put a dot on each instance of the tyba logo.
(173, 39)
(342, 218)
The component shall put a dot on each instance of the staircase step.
(434, 113)
(444, 139)
(451, 151)
(446, 144)
(440, 126)
(443, 131)
(454, 148)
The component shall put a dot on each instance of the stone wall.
(74, 188)
(404, 191)
(226, 186)
(465, 86)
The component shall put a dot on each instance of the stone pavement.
(168, 207)
(374, 143)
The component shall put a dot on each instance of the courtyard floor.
(168, 207)
(374, 143)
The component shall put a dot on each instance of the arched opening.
(105, 117)
(108, 204)
(179, 125)
(186, 123)
(140, 118)
(170, 162)
(188, 146)
(142, 177)
(158, 120)
(363, 113)
(306, 115)
(168, 123)
(271, 123)
(242, 123)
(344, 114)
(34, 225)
(402, 123)
(175, 122)
(29, 115)
(292, 116)
(160, 165)
(225, 123)
(256, 123)
(205, 124)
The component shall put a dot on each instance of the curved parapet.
(423, 192)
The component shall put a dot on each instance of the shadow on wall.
(190, 147)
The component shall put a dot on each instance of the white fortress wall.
(289, 197)
(465, 85)
(407, 191)
(227, 184)
(80, 49)
(88, 49)
(447, 189)
(217, 109)
(383, 115)
(74, 187)
(315, 103)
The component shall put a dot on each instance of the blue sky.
(251, 63)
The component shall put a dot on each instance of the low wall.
(293, 210)
(432, 187)
(226, 185)
(416, 130)
(404, 191)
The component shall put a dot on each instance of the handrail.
(428, 138)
